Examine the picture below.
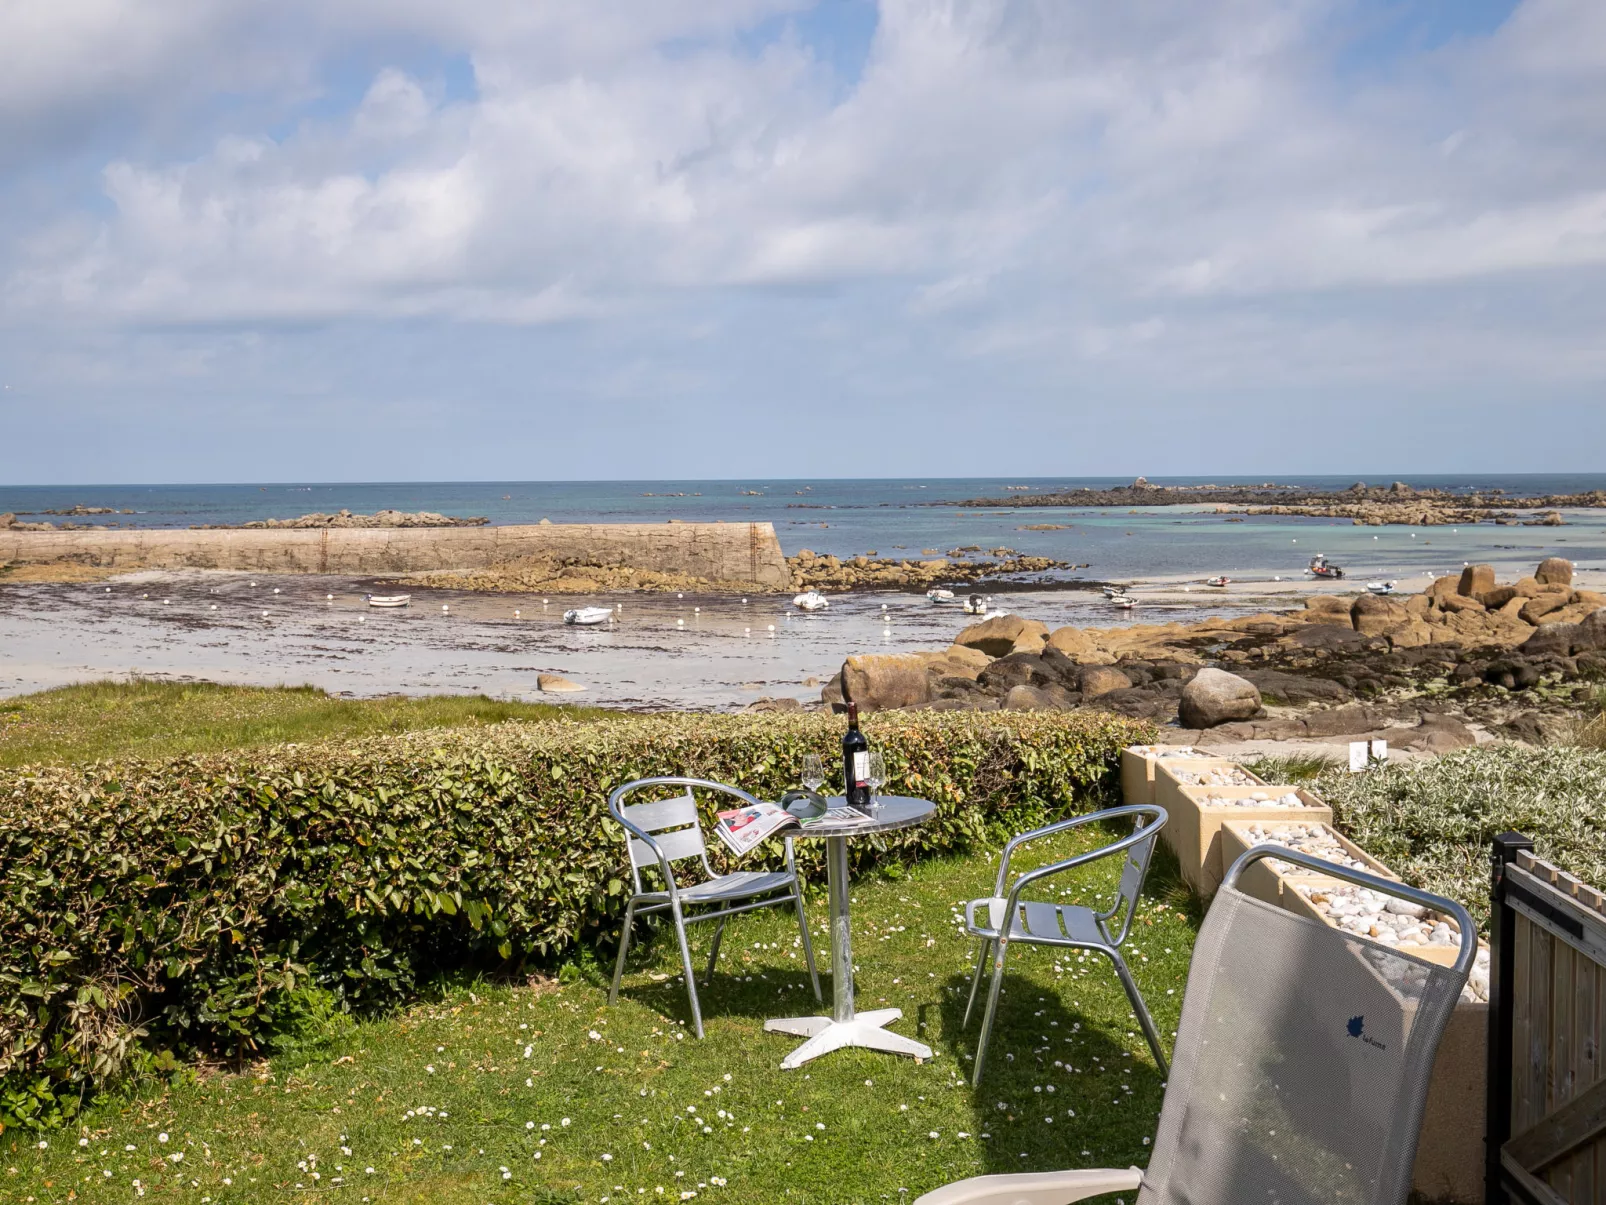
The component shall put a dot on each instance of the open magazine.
(743, 828)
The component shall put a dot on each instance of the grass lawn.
(163, 719)
(538, 1092)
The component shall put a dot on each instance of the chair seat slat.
(682, 843)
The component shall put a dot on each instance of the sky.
(339, 240)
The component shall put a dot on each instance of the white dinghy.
(939, 595)
(388, 600)
(1380, 587)
(588, 617)
(811, 600)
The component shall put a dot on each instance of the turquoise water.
(898, 518)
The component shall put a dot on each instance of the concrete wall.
(736, 552)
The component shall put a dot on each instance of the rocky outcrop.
(1554, 571)
(344, 518)
(881, 681)
(555, 684)
(1217, 697)
(1004, 634)
(811, 571)
(1475, 579)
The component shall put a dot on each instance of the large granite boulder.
(1072, 642)
(1099, 680)
(999, 636)
(1036, 698)
(881, 681)
(1217, 697)
(1554, 571)
(1475, 579)
(1017, 669)
(1372, 614)
(1325, 609)
(1542, 604)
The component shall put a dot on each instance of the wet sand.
(704, 652)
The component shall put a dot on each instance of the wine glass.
(813, 771)
(875, 775)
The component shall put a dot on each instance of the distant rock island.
(1362, 504)
(344, 518)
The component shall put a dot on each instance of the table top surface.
(896, 811)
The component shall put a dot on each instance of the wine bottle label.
(861, 768)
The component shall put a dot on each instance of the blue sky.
(382, 239)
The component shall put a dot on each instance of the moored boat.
(811, 600)
(1380, 587)
(1221, 581)
(939, 595)
(975, 605)
(588, 617)
(387, 600)
(1320, 568)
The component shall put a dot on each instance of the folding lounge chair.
(665, 831)
(1300, 1069)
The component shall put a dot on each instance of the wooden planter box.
(1194, 829)
(1168, 787)
(1449, 1153)
(1265, 882)
(1137, 770)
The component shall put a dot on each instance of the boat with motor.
(1219, 582)
(1320, 568)
(1380, 587)
(811, 600)
(1124, 602)
(1114, 591)
(975, 605)
(387, 600)
(587, 617)
(939, 595)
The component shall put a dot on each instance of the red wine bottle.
(855, 762)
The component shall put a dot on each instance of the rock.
(1017, 669)
(1498, 597)
(1032, 698)
(831, 692)
(1326, 609)
(1399, 487)
(1139, 703)
(1061, 666)
(998, 636)
(1513, 674)
(1099, 680)
(1442, 586)
(1343, 721)
(1217, 697)
(553, 684)
(1527, 587)
(1412, 635)
(1073, 642)
(1372, 615)
(1534, 728)
(1591, 633)
(1436, 734)
(972, 659)
(1461, 602)
(1554, 571)
(1296, 688)
(1475, 579)
(883, 681)
(765, 705)
(1328, 636)
(1536, 608)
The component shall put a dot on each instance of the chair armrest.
(1035, 1188)
(1048, 830)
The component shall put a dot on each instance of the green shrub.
(1432, 822)
(186, 905)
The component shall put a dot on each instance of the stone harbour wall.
(730, 552)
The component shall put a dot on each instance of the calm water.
(896, 518)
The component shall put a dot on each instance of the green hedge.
(160, 908)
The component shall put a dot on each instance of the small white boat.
(388, 600)
(811, 600)
(1380, 587)
(975, 605)
(1219, 582)
(588, 617)
(1114, 592)
(1124, 603)
(939, 595)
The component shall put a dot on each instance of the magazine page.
(744, 827)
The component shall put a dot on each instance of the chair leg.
(1001, 947)
(713, 953)
(808, 946)
(975, 980)
(1142, 1010)
(624, 945)
(685, 963)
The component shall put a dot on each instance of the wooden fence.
(1546, 1135)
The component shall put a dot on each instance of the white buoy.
(886, 631)
(680, 596)
(144, 595)
(747, 631)
(680, 623)
(744, 600)
(253, 583)
(108, 589)
(276, 589)
(515, 615)
(1276, 579)
(165, 601)
(444, 608)
(264, 615)
(772, 627)
(214, 606)
(543, 602)
(362, 619)
(330, 597)
(696, 610)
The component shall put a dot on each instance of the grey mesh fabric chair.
(665, 831)
(1302, 1064)
(1068, 925)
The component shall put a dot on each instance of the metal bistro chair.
(1303, 1061)
(1067, 925)
(666, 831)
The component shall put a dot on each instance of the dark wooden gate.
(1547, 1005)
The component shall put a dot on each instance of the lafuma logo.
(1357, 1029)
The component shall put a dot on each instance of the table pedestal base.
(825, 1035)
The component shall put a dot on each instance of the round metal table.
(845, 1027)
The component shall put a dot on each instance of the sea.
(713, 652)
(901, 517)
